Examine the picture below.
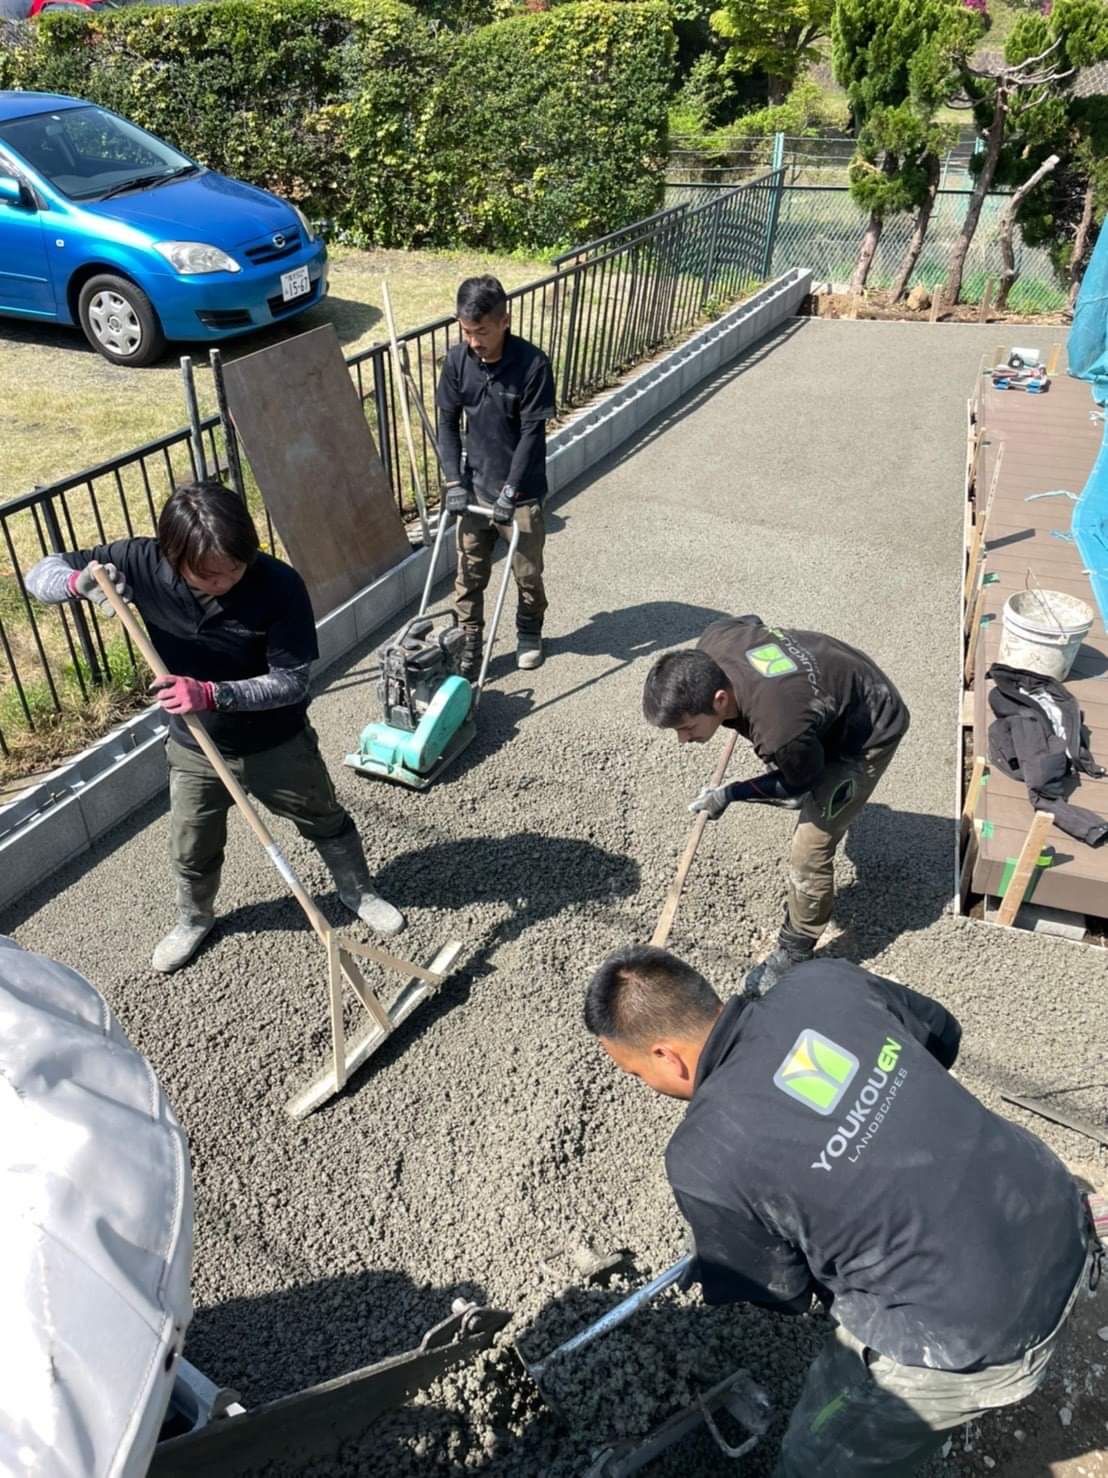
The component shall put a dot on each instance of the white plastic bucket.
(1043, 631)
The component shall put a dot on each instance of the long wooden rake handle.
(669, 908)
(218, 764)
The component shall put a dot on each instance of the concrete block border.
(73, 807)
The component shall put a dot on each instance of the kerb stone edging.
(73, 807)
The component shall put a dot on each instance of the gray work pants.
(862, 1415)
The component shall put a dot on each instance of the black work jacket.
(827, 1149)
(803, 698)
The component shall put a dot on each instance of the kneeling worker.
(826, 1150)
(236, 629)
(822, 714)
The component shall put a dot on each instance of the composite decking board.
(1050, 443)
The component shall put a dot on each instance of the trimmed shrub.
(551, 128)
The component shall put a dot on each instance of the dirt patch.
(876, 305)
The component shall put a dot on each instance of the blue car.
(106, 226)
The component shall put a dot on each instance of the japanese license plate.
(295, 284)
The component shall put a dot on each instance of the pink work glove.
(184, 694)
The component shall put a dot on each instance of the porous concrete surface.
(819, 483)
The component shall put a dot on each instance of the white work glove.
(86, 588)
(713, 800)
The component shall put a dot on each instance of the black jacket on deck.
(803, 698)
(827, 1149)
(1039, 736)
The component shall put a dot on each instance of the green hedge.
(529, 132)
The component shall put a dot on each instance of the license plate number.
(295, 284)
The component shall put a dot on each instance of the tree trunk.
(1008, 273)
(778, 90)
(867, 251)
(919, 235)
(1081, 244)
(993, 141)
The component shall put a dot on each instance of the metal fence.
(729, 159)
(821, 227)
(605, 306)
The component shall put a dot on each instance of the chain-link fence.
(820, 226)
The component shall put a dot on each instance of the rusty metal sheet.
(305, 433)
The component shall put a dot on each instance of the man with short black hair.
(824, 717)
(827, 1151)
(235, 627)
(505, 387)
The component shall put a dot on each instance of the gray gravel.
(819, 484)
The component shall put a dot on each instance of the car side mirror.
(11, 190)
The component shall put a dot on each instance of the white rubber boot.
(195, 921)
(347, 865)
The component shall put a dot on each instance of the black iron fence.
(605, 306)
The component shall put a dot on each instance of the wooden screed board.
(305, 432)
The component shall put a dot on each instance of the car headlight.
(309, 229)
(191, 258)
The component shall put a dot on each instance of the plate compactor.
(429, 710)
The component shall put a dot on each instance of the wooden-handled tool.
(340, 948)
(661, 933)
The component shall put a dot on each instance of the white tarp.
(95, 1232)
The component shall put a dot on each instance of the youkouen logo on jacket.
(817, 1071)
(770, 661)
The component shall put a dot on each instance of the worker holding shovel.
(827, 1151)
(823, 716)
(236, 630)
(505, 387)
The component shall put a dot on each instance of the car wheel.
(119, 320)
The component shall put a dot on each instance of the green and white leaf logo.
(770, 661)
(817, 1071)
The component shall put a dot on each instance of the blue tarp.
(1087, 352)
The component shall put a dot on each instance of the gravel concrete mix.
(818, 483)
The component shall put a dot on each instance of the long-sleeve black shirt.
(507, 406)
(827, 1149)
(803, 698)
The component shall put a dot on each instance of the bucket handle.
(1031, 584)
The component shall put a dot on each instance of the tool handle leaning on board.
(661, 933)
(218, 764)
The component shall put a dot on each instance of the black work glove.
(504, 509)
(457, 498)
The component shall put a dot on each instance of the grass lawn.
(63, 407)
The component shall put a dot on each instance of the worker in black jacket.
(505, 387)
(827, 1151)
(823, 716)
(236, 630)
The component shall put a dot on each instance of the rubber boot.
(469, 663)
(347, 865)
(195, 920)
(792, 949)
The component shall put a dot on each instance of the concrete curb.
(66, 813)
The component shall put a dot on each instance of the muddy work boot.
(792, 949)
(469, 663)
(195, 920)
(528, 652)
(347, 865)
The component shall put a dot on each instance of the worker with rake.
(505, 387)
(826, 1151)
(236, 630)
(821, 714)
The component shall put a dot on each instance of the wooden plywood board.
(305, 433)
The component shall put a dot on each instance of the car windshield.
(86, 152)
